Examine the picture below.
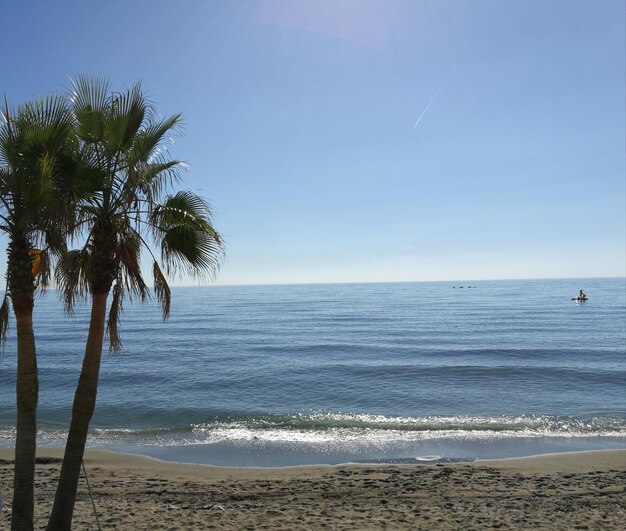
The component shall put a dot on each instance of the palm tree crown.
(129, 209)
(36, 184)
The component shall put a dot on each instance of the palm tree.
(34, 141)
(130, 212)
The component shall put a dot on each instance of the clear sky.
(361, 140)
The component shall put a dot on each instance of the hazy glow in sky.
(371, 140)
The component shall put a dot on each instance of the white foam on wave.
(374, 438)
(343, 430)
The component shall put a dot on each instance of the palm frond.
(195, 252)
(183, 208)
(72, 276)
(8, 136)
(90, 100)
(149, 138)
(89, 92)
(161, 289)
(49, 117)
(129, 257)
(183, 225)
(53, 236)
(128, 112)
(158, 175)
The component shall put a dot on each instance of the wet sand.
(582, 490)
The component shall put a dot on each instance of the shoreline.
(280, 453)
(554, 491)
(545, 462)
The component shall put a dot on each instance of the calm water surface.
(277, 375)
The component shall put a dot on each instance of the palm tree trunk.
(82, 411)
(27, 393)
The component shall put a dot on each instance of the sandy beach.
(582, 490)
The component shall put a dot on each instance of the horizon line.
(314, 283)
(344, 282)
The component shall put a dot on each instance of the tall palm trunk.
(82, 411)
(27, 392)
(21, 288)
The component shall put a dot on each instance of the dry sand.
(583, 490)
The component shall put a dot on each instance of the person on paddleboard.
(582, 295)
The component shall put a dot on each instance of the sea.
(332, 373)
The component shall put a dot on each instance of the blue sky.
(300, 126)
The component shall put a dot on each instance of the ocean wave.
(341, 429)
(326, 427)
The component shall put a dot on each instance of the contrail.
(431, 101)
